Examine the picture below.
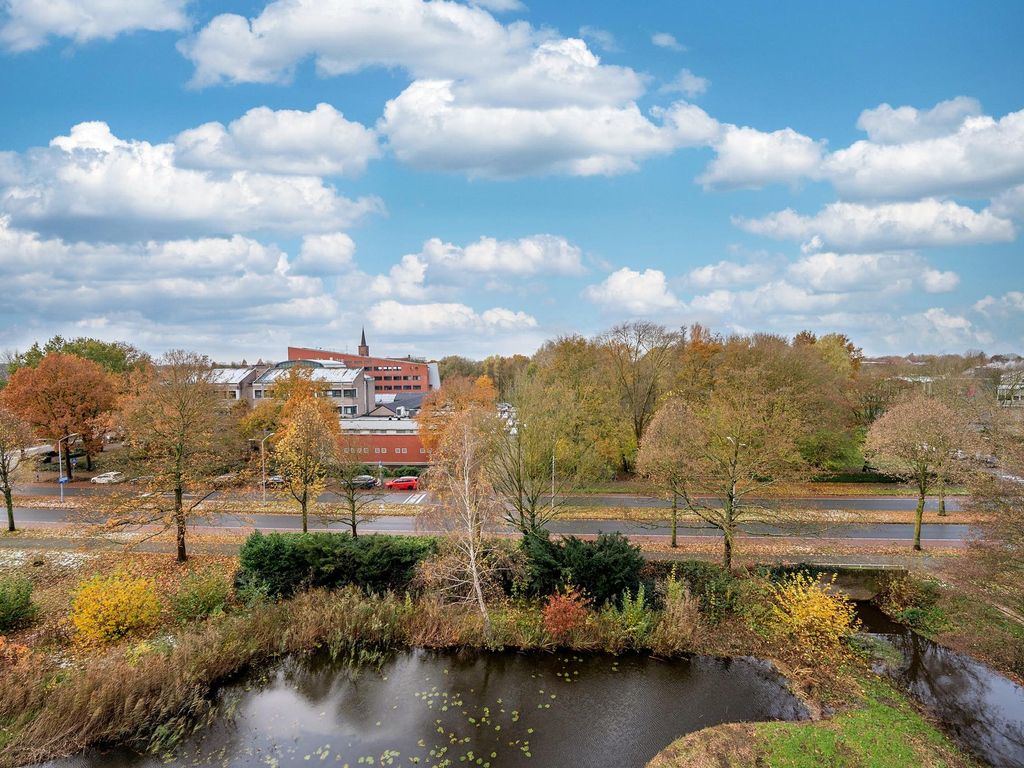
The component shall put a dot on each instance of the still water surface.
(498, 709)
(980, 708)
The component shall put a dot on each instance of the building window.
(423, 450)
(348, 393)
(348, 410)
(383, 450)
(257, 393)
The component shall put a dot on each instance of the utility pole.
(60, 462)
(263, 463)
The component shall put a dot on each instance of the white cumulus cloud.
(393, 317)
(27, 24)
(886, 124)
(638, 293)
(316, 143)
(749, 158)
(326, 254)
(531, 255)
(854, 226)
(92, 184)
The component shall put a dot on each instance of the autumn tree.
(456, 366)
(639, 358)
(467, 505)
(454, 396)
(504, 371)
(268, 415)
(727, 450)
(63, 395)
(1000, 497)
(918, 440)
(699, 354)
(306, 449)
(176, 440)
(15, 437)
(356, 501)
(539, 454)
(572, 370)
(817, 392)
(660, 458)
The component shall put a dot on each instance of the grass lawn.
(883, 730)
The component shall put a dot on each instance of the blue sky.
(234, 177)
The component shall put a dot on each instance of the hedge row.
(283, 563)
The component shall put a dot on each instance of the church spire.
(364, 350)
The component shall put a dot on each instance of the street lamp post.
(60, 461)
(263, 462)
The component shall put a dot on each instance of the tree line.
(710, 422)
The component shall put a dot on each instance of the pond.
(980, 708)
(474, 708)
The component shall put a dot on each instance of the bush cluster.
(282, 563)
(603, 570)
(565, 612)
(202, 594)
(813, 620)
(714, 588)
(16, 607)
(680, 623)
(913, 602)
(107, 608)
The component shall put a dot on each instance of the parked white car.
(108, 478)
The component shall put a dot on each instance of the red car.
(407, 483)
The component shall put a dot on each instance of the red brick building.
(388, 441)
(390, 375)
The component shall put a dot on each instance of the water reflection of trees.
(983, 710)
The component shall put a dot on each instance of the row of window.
(349, 393)
(381, 450)
(394, 387)
(400, 378)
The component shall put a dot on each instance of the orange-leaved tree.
(306, 448)
(64, 395)
(456, 395)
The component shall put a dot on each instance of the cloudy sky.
(234, 176)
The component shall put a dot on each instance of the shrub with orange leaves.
(12, 653)
(565, 612)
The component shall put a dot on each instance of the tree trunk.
(88, 461)
(727, 551)
(355, 523)
(67, 463)
(9, 501)
(478, 590)
(917, 521)
(942, 497)
(675, 519)
(179, 524)
(305, 513)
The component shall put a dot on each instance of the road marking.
(416, 498)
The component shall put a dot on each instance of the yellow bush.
(806, 614)
(110, 607)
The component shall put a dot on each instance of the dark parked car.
(364, 481)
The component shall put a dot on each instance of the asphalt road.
(897, 533)
(872, 503)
